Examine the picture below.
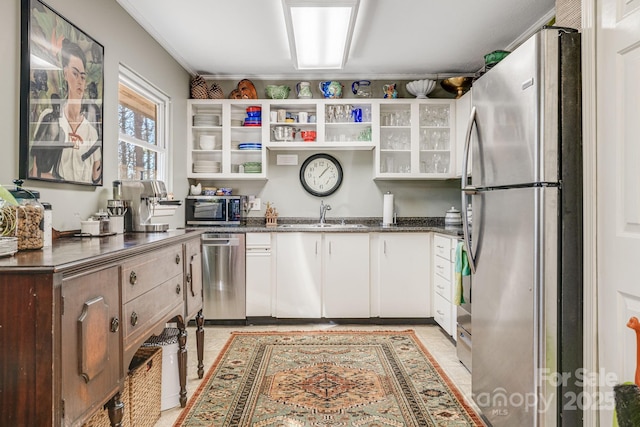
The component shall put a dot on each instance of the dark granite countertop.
(370, 225)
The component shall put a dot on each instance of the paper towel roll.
(387, 209)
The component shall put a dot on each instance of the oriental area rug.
(326, 379)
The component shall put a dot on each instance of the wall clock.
(321, 174)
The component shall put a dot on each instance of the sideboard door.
(90, 342)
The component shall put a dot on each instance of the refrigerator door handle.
(467, 148)
(466, 191)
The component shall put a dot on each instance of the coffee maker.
(141, 198)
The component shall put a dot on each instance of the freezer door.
(516, 117)
(513, 235)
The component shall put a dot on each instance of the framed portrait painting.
(61, 94)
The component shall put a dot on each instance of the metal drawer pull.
(133, 278)
(178, 259)
(134, 318)
(190, 276)
(115, 324)
(178, 289)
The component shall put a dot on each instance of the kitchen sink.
(318, 225)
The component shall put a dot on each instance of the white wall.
(124, 42)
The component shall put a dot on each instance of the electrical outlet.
(255, 204)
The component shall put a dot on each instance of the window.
(143, 128)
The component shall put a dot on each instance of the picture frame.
(61, 99)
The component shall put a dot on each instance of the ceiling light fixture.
(320, 32)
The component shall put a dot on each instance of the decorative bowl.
(495, 57)
(277, 92)
(457, 85)
(252, 167)
(308, 135)
(421, 88)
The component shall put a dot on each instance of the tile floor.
(432, 337)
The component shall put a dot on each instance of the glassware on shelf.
(435, 115)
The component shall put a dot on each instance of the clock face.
(321, 174)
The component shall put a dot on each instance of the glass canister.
(103, 217)
(29, 218)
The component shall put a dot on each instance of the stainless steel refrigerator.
(526, 247)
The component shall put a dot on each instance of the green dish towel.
(461, 269)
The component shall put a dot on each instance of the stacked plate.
(250, 146)
(254, 116)
(206, 166)
(206, 120)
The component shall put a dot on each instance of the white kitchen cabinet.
(322, 275)
(416, 139)
(228, 159)
(404, 275)
(299, 275)
(444, 311)
(463, 113)
(334, 124)
(345, 285)
(259, 271)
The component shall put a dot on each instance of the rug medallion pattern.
(326, 379)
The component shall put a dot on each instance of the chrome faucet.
(323, 211)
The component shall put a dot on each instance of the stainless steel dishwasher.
(223, 276)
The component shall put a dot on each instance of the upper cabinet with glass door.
(415, 139)
(436, 141)
(225, 140)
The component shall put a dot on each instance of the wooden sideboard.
(73, 315)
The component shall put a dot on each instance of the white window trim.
(136, 82)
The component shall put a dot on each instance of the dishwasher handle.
(220, 241)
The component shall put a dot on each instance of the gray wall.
(125, 42)
(358, 196)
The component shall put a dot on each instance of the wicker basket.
(215, 92)
(199, 88)
(101, 417)
(145, 386)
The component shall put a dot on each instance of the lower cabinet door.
(346, 276)
(90, 342)
(258, 278)
(404, 272)
(299, 275)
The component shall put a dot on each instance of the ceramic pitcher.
(303, 89)
(390, 90)
(330, 89)
(361, 88)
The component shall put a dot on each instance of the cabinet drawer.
(442, 267)
(443, 313)
(258, 239)
(143, 312)
(443, 287)
(442, 247)
(141, 274)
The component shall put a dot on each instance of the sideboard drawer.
(143, 273)
(143, 312)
